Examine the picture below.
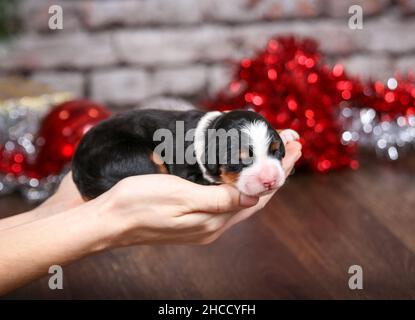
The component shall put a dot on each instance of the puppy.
(237, 147)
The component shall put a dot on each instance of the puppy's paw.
(289, 135)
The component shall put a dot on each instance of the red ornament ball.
(60, 133)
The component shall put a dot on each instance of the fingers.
(289, 135)
(219, 199)
(292, 154)
(201, 222)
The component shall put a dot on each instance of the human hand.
(156, 209)
(228, 210)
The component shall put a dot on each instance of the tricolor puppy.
(236, 147)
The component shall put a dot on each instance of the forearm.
(41, 211)
(28, 250)
(13, 221)
(59, 202)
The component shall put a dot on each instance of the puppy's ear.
(282, 149)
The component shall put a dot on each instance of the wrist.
(100, 226)
(82, 231)
(106, 220)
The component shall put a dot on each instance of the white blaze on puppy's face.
(266, 172)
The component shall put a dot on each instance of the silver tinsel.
(20, 120)
(389, 139)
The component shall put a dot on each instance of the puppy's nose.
(268, 184)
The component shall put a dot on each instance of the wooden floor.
(300, 246)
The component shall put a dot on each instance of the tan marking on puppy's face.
(244, 154)
(154, 157)
(228, 177)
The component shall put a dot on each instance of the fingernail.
(247, 201)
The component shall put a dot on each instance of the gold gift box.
(21, 92)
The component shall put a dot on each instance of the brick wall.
(124, 52)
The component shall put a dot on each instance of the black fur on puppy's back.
(110, 166)
(106, 155)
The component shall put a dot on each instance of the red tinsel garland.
(291, 86)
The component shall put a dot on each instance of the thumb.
(219, 199)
